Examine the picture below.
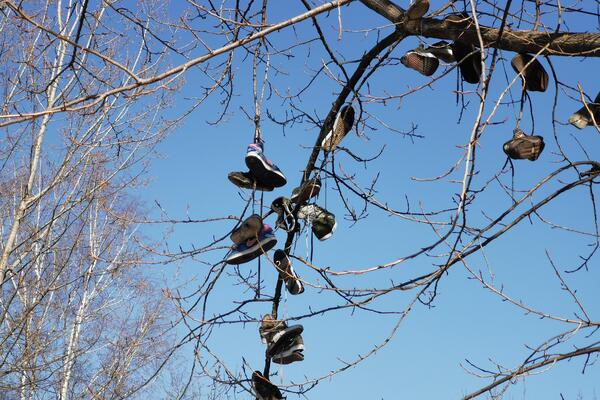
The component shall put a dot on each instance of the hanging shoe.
(582, 117)
(421, 61)
(269, 327)
(249, 229)
(263, 170)
(417, 9)
(245, 180)
(253, 248)
(264, 389)
(283, 339)
(469, 60)
(290, 353)
(282, 206)
(522, 146)
(535, 77)
(443, 51)
(341, 126)
(322, 221)
(286, 272)
(306, 191)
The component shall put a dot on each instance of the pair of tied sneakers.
(251, 239)
(264, 389)
(284, 344)
(262, 173)
(587, 115)
(523, 146)
(322, 222)
(283, 264)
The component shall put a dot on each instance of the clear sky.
(427, 358)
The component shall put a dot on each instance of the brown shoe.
(534, 76)
(522, 147)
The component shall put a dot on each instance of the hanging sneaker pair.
(262, 175)
(583, 117)
(283, 264)
(264, 389)
(343, 123)
(251, 239)
(522, 146)
(284, 344)
(533, 74)
(322, 222)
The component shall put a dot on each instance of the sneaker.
(286, 272)
(595, 170)
(245, 180)
(458, 21)
(269, 327)
(522, 147)
(341, 126)
(582, 117)
(262, 169)
(469, 60)
(249, 229)
(291, 353)
(417, 9)
(264, 389)
(535, 77)
(282, 206)
(306, 191)
(253, 248)
(283, 339)
(443, 51)
(323, 222)
(421, 61)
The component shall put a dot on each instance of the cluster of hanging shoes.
(253, 238)
(426, 61)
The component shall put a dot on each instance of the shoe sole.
(252, 252)
(263, 172)
(283, 337)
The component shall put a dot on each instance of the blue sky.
(424, 359)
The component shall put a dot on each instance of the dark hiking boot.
(534, 76)
(522, 147)
(469, 59)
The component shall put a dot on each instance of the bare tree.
(86, 89)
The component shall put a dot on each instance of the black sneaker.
(421, 61)
(582, 117)
(323, 222)
(245, 180)
(524, 147)
(263, 170)
(282, 206)
(265, 390)
(253, 248)
(442, 50)
(290, 353)
(469, 60)
(286, 272)
(283, 339)
(249, 229)
(534, 76)
(341, 126)
(306, 191)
